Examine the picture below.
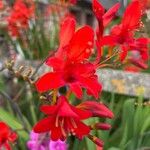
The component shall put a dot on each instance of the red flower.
(123, 34)
(19, 17)
(6, 136)
(103, 18)
(63, 119)
(70, 65)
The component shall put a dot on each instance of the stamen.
(73, 123)
(62, 128)
(56, 123)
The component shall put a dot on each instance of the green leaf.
(146, 125)
(138, 119)
(114, 148)
(89, 144)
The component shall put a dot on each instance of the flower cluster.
(72, 68)
(132, 49)
(6, 136)
(19, 16)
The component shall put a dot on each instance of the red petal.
(55, 63)
(110, 14)
(83, 114)
(86, 69)
(44, 125)
(81, 44)
(76, 89)
(7, 146)
(97, 109)
(65, 109)
(132, 16)
(56, 134)
(81, 130)
(49, 81)
(98, 9)
(48, 110)
(91, 84)
(67, 30)
(12, 137)
(5, 130)
(123, 53)
(108, 40)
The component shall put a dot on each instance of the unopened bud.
(102, 126)
(96, 140)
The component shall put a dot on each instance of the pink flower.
(57, 145)
(38, 141)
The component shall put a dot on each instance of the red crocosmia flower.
(19, 16)
(6, 136)
(103, 18)
(123, 34)
(70, 65)
(63, 119)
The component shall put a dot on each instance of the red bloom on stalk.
(6, 136)
(64, 119)
(123, 34)
(70, 65)
(21, 13)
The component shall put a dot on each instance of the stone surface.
(133, 84)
